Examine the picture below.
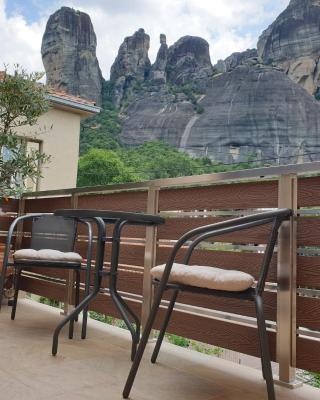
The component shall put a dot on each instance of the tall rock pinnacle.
(189, 62)
(132, 63)
(158, 70)
(69, 54)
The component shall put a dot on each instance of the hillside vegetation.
(104, 160)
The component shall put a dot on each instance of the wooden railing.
(292, 296)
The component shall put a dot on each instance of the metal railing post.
(68, 295)
(287, 288)
(149, 255)
(19, 231)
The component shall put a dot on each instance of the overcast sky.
(228, 25)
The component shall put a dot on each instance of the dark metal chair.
(252, 293)
(52, 246)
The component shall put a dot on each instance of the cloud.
(228, 26)
(20, 42)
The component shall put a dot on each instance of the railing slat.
(233, 195)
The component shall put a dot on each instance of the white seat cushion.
(206, 277)
(46, 255)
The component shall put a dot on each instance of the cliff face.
(189, 61)
(292, 42)
(69, 54)
(245, 105)
(251, 110)
(236, 59)
(131, 64)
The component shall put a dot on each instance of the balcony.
(98, 366)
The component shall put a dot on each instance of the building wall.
(59, 132)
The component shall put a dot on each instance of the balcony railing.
(292, 296)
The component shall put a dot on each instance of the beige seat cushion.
(206, 277)
(46, 255)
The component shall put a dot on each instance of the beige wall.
(59, 131)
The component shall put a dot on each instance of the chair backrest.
(53, 232)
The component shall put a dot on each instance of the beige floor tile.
(96, 368)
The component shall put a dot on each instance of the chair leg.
(143, 342)
(70, 317)
(2, 280)
(264, 346)
(17, 274)
(77, 297)
(86, 309)
(164, 326)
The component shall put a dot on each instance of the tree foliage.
(102, 167)
(151, 160)
(22, 101)
(155, 160)
(102, 130)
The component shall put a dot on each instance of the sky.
(227, 25)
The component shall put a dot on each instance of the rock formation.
(293, 43)
(236, 59)
(131, 64)
(69, 54)
(158, 70)
(252, 110)
(189, 62)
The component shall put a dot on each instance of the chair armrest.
(232, 225)
(237, 223)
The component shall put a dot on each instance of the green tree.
(155, 160)
(22, 101)
(101, 131)
(102, 167)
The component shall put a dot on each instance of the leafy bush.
(22, 101)
(50, 302)
(177, 340)
(102, 167)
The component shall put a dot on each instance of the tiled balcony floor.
(97, 367)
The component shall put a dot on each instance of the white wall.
(59, 131)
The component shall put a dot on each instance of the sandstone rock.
(132, 63)
(293, 43)
(69, 54)
(252, 110)
(158, 70)
(240, 58)
(189, 62)
(235, 59)
(220, 67)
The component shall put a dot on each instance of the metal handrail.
(193, 180)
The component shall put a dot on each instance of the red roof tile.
(61, 94)
(67, 96)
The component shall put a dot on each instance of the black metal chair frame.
(102, 219)
(252, 294)
(20, 266)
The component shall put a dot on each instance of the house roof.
(67, 96)
(68, 101)
(64, 99)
